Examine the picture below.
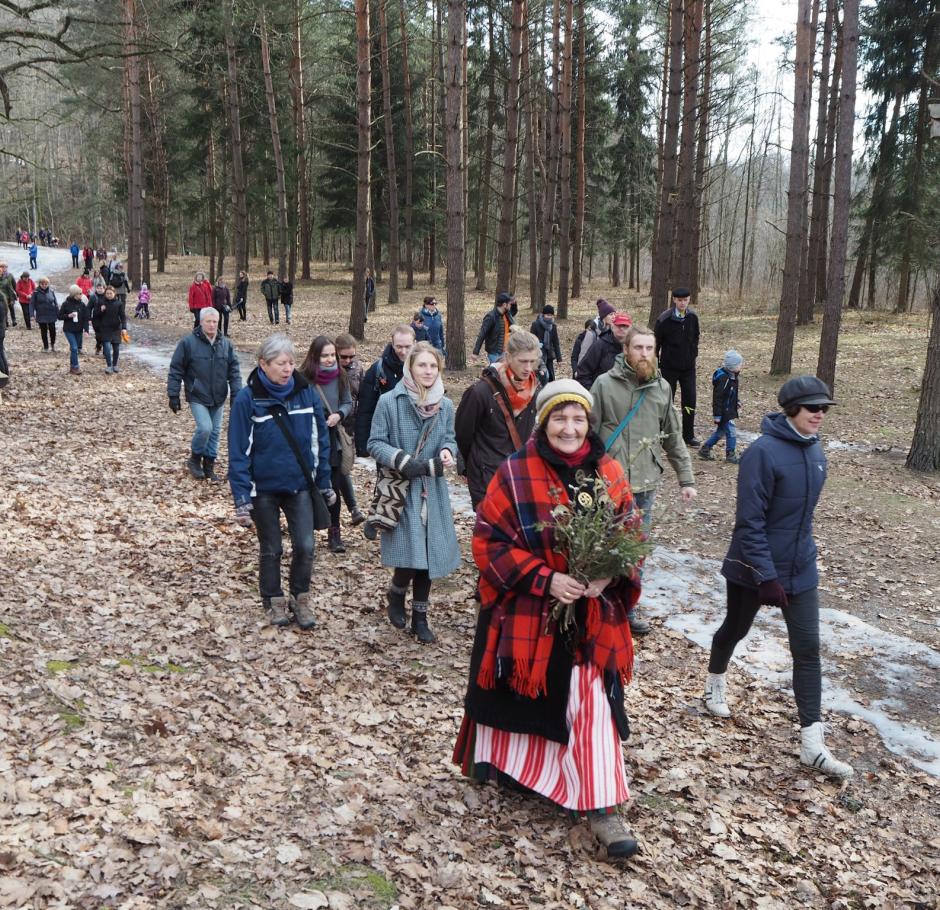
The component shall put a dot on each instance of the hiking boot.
(419, 623)
(814, 754)
(357, 518)
(638, 625)
(208, 469)
(75, 371)
(694, 442)
(303, 612)
(613, 834)
(278, 614)
(705, 452)
(715, 698)
(396, 606)
(335, 542)
(194, 465)
(109, 370)
(732, 457)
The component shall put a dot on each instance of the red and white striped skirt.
(587, 773)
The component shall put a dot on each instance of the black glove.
(175, 404)
(772, 594)
(415, 467)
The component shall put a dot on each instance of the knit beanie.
(604, 308)
(733, 360)
(561, 391)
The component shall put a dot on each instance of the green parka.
(615, 393)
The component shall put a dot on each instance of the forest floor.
(161, 747)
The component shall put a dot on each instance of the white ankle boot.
(813, 752)
(715, 699)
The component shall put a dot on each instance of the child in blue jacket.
(724, 407)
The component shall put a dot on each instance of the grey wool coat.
(397, 425)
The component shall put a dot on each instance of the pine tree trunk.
(531, 154)
(390, 158)
(135, 175)
(660, 279)
(453, 127)
(577, 244)
(842, 198)
(504, 245)
(300, 157)
(409, 153)
(487, 173)
(924, 454)
(357, 313)
(701, 155)
(278, 155)
(564, 177)
(239, 188)
(782, 359)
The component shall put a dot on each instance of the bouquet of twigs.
(598, 541)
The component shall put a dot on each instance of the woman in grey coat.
(413, 432)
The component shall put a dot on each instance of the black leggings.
(401, 578)
(342, 486)
(47, 330)
(802, 619)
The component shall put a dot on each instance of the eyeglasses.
(347, 356)
(816, 408)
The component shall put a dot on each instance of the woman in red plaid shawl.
(544, 706)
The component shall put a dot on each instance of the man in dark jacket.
(772, 557)
(206, 364)
(380, 378)
(271, 290)
(546, 331)
(603, 352)
(434, 323)
(677, 336)
(8, 296)
(495, 328)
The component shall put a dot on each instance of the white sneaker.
(715, 697)
(814, 754)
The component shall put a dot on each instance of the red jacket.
(200, 295)
(85, 283)
(24, 290)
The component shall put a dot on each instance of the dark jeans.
(32, 262)
(75, 345)
(11, 306)
(112, 351)
(47, 330)
(342, 486)
(287, 309)
(549, 367)
(802, 619)
(401, 578)
(242, 310)
(75, 262)
(274, 313)
(685, 379)
(196, 317)
(266, 512)
(223, 321)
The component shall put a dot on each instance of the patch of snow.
(688, 593)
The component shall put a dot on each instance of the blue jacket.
(260, 459)
(724, 395)
(207, 371)
(779, 482)
(434, 323)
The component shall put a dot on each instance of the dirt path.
(161, 747)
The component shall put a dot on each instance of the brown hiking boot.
(278, 614)
(303, 612)
(613, 834)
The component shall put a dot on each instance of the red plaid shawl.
(516, 562)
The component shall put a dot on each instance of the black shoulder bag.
(321, 514)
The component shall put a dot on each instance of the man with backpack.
(380, 378)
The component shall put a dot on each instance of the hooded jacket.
(8, 288)
(653, 430)
(380, 378)
(492, 332)
(208, 371)
(200, 295)
(271, 290)
(74, 305)
(482, 433)
(108, 318)
(43, 306)
(598, 358)
(547, 334)
(260, 458)
(677, 340)
(24, 290)
(780, 479)
(434, 324)
(724, 395)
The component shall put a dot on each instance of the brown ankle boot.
(303, 612)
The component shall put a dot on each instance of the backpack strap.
(623, 423)
(507, 416)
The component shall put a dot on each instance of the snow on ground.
(51, 260)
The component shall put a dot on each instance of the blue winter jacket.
(779, 482)
(434, 324)
(260, 459)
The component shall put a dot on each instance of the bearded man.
(635, 417)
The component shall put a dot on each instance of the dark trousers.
(25, 308)
(242, 310)
(549, 368)
(47, 330)
(685, 379)
(802, 619)
(342, 486)
(75, 262)
(223, 320)
(419, 578)
(266, 512)
(274, 313)
(195, 317)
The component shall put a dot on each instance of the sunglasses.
(347, 356)
(816, 408)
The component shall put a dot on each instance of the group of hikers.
(544, 707)
(204, 295)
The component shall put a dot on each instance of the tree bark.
(504, 244)
(531, 154)
(487, 170)
(782, 359)
(278, 155)
(409, 153)
(842, 192)
(660, 278)
(701, 154)
(924, 454)
(357, 312)
(390, 158)
(300, 157)
(564, 177)
(577, 243)
(239, 188)
(453, 127)
(135, 174)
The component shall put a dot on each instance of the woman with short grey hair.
(276, 421)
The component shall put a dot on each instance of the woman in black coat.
(222, 301)
(241, 296)
(74, 316)
(44, 308)
(110, 322)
